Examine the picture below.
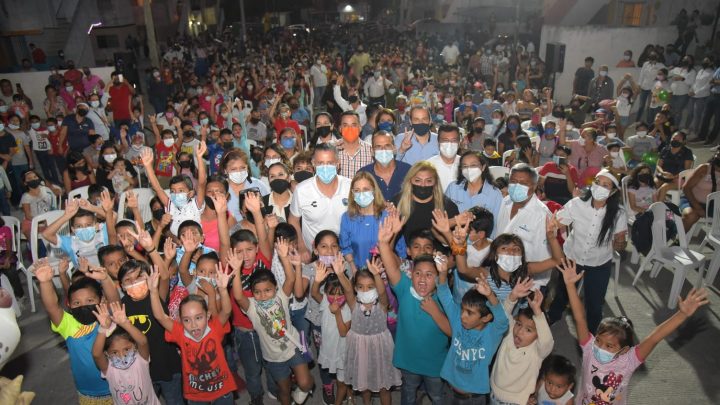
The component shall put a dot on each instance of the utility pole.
(242, 20)
(150, 33)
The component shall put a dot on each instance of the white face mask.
(270, 162)
(641, 133)
(110, 158)
(581, 141)
(471, 173)
(238, 177)
(367, 297)
(611, 135)
(569, 127)
(599, 193)
(448, 149)
(614, 154)
(509, 263)
(168, 142)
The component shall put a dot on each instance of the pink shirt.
(132, 386)
(89, 85)
(212, 236)
(605, 384)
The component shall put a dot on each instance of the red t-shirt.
(165, 159)
(281, 124)
(206, 375)
(552, 167)
(56, 149)
(120, 99)
(238, 317)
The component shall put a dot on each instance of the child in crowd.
(640, 144)
(490, 152)
(557, 379)
(206, 377)
(611, 357)
(166, 149)
(215, 219)
(37, 200)
(122, 354)
(641, 189)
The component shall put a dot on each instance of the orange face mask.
(350, 134)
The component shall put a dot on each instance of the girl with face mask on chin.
(599, 227)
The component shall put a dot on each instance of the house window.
(107, 41)
(632, 14)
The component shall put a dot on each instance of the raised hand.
(272, 221)
(131, 200)
(536, 302)
(430, 306)
(569, 272)
(103, 316)
(97, 273)
(71, 207)
(321, 272)
(146, 156)
(375, 266)
(43, 271)
(440, 221)
(63, 265)
(118, 313)
(385, 231)
(253, 203)
(441, 262)
(407, 140)
(223, 274)
(153, 281)
(294, 257)
(144, 239)
(521, 289)
(219, 202)
(200, 150)
(189, 243)
(552, 225)
(334, 307)
(483, 287)
(282, 246)
(339, 263)
(234, 260)
(694, 300)
(166, 220)
(152, 118)
(106, 201)
(460, 232)
(169, 249)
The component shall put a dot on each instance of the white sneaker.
(271, 396)
(299, 396)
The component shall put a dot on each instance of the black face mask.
(158, 213)
(209, 203)
(322, 131)
(478, 130)
(422, 192)
(645, 178)
(185, 164)
(254, 121)
(421, 129)
(227, 145)
(84, 314)
(676, 144)
(82, 112)
(279, 186)
(33, 183)
(302, 175)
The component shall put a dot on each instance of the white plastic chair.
(35, 237)
(144, 195)
(635, 256)
(304, 134)
(499, 171)
(505, 155)
(14, 225)
(80, 192)
(679, 258)
(712, 236)
(682, 178)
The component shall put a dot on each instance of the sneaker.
(328, 395)
(271, 396)
(257, 401)
(299, 396)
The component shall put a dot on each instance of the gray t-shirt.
(39, 204)
(21, 140)
(641, 145)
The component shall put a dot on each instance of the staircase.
(56, 38)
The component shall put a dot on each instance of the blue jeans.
(318, 93)
(696, 108)
(4, 204)
(297, 318)
(226, 399)
(434, 388)
(677, 106)
(15, 177)
(170, 390)
(642, 103)
(43, 159)
(595, 286)
(712, 110)
(246, 346)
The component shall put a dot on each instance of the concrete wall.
(605, 44)
(33, 84)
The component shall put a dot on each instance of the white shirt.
(346, 106)
(163, 123)
(376, 87)
(446, 172)
(319, 75)
(39, 139)
(96, 115)
(318, 211)
(528, 224)
(581, 243)
(701, 86)
(450, 54)
(681, 87)
(647, 74)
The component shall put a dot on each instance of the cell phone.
(562, 161)
(121, 77)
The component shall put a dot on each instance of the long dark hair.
(612, 210)
(485, 175)
(491, 262)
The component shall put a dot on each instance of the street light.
(348, 9)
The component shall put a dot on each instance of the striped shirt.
(350, 164)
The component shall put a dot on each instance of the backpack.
(642, 227)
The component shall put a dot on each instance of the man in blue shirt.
(77, 128)
(388, 172)
(418, 143)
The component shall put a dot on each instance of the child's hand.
(483, 287)
(334, 307)
(220, 203)
(189, 243)
(441, 262)
(146, 156)
(71, 207)
(294, 257)
(461, 230)
(63, 265)
(152, 118)
(43, 271)
(536, 302)
(385, 233)
(694, 300)
(169, 249)
(253, 204)
(375, 266)
(282, 246)
(569, 271)
(131, 200)
(440, 221)
(272, 221)
(223, 274)
(321, 272)
(153, 281)
(144, 239)
(118, 313)
(552, 225)
(204, 286)
(234, 260)
(522, 289)
(430, 306)
(106, 201)
(339, 263)
(166, 220)
(200, 150)
(103, 316)
(97, 273)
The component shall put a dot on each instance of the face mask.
(611, 135)
(94, 104)
(500, 89)
(168, 142)
(110, 158)
(478, 130)
(204, 121)
(364, 198)
(422, 192)
(602, 356)
(13, 126)
(392, 90)
(518, 192)
(137, 290)
(326, 173)
(496, 121)
(550, 131)
(50, 128)
(69, 89)
(288, 143)
(238, 177)
(512, 126)
(82, 112)
(35, 125)
(614, 154)
(302, 175)
(185, 164)
(158, 213)
(421, 129)
(415, 294)
(581, 141)
(249, 86)
(599, 193)
(641, 133)
(626, 95)
(367, 297)
(327, 260)
(3, 108)
(626, 57)
(509, 263)
(336, 300)
(85, 234)
(34, 183)
(266, 304)
(350, 134)
(180, 200)
(448, 149)
(210, 280)
(676, 144)
(279, 186)
(384, 157)
(603, 73)
(386, 126)
(471, 173)
(487, 101)
(84, 314)
(377, 75)
(137, 147)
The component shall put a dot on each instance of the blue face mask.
(385, 126)
(513, 126)
(204, 121)
(123, 362)
(518, 192)
(549, 131)
(266, 304)
(602, 356)
(85, 234)
(326, 173)
(179, 199)
(287, 143)
(384, 157)
(364, 198)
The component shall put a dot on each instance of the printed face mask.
(599, 193)
(123, 362)
(138, 290)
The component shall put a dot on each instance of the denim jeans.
(226, 399)
(642, 103)
(4, 204)
(434, 387)
(481, 400)
(297, 318)
(170, 390)
(317, 96)
(696, 108)
(15, 177)
(594, 289)
(712, 109)
(677, 106)
(45, 164)
(247, 350)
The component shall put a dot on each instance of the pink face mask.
(336, 300)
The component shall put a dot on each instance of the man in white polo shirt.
(524, 215)
(446, 162)
(319, 201)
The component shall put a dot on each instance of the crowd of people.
(388, 212)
